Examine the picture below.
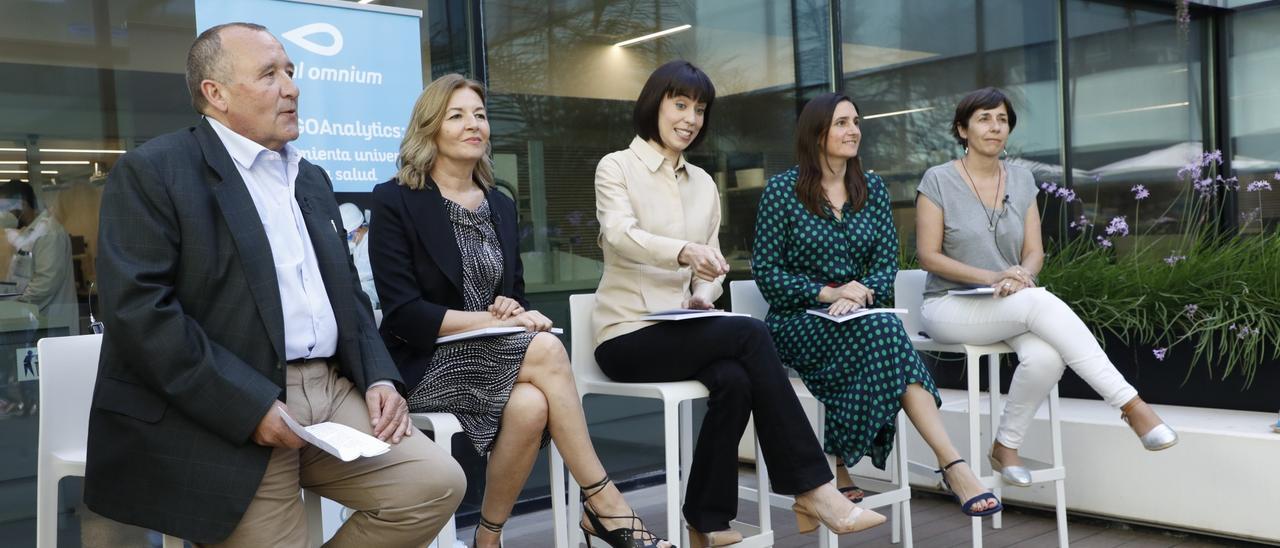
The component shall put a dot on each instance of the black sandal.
(622, 537)
(492, 527)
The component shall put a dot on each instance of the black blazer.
(193, 352)
(417, 268)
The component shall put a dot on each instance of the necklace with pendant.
(991, 213)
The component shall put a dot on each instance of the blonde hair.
(418, 149)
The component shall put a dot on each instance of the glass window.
(1254, 122)
(1136, 107)
(561, 94)
(907, 78)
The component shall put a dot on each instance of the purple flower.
(1067, 194)
(1211, 157)
(1230, 183)
(1204, 187)
(1104, 242)
(1140, 192)
(1048, 187)
(1192, 168)
(1259, 185)
(1159, 353)
(1118, 225)
(1190, 310)
(1174, 259)
(1276, 176)
(1081, 223)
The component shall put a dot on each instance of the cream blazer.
(648, 210)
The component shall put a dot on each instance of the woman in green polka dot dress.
(825, 239)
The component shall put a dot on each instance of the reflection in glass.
(1135, 107)
(561, 95)
(907, 78)
(1253, 93)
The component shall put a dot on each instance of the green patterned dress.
(858, 369)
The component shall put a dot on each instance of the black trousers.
(735, 358)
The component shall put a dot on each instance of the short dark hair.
(15, 188)
(675, 78)
(981, 99)
(205, 60)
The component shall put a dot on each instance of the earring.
(1004, 153)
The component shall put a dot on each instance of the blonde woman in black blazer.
(446, 259)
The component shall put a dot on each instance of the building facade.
(1109, 94)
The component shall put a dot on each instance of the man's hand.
(273, 432)
(388, 413)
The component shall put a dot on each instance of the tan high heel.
(859, 519)
(726, 537)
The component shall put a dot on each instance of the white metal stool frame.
(68, 370)
(745, 297)
(909, 294)
(444, 426)
(676, 400)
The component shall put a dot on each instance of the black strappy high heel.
(622, 537)
(492, 527)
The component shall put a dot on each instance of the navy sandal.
(968, 505)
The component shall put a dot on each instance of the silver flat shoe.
(1016, 475)
(1160, 437)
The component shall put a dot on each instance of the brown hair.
(811, 148)
(418, 148)
(982, 99)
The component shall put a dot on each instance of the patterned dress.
(473, 378)
(858, 369)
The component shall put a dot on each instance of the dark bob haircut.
(983, 99)
(672, 79)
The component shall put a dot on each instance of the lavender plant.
(1193, 289)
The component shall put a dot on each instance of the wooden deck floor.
(937, 522)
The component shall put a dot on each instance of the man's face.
(260, 98)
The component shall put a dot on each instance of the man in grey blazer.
(229, 298)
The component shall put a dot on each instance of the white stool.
(909, 294)
(677, 415)
(745, 297)
(68, 370)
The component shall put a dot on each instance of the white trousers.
(1047, 337)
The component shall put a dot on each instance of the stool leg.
(686, 457)
(1059, 486)
(993, 416)
(974, 365)
(558, 511)
(763, 506)
(671, 448)
(902, 477)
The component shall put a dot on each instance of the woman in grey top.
(977, 225)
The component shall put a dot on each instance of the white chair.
(909, 294)
(68, 369)
(676, 398)
(745, 297)
(444, 426)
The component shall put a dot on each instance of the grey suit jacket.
(193, 352)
